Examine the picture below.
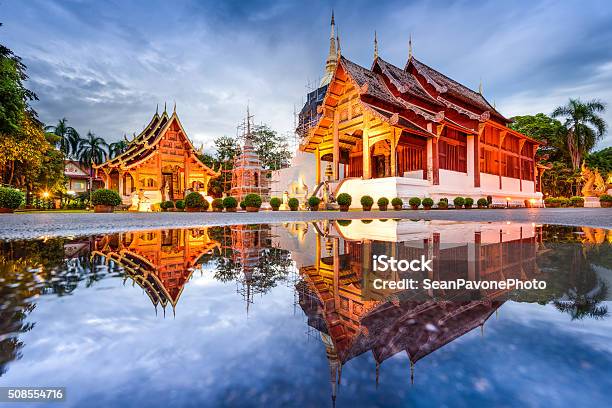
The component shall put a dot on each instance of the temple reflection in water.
(329, 265)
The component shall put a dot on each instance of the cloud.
(105, 66)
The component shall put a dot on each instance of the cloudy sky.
(105, 65)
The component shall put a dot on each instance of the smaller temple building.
(160, 164)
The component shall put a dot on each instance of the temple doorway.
(381, 159)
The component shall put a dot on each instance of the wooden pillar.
(318, 169)
(120, 187)
(477, 155)
(394, 152)
(435, 162)
(366, 147)
(502, 136)
(336, 147)
(520, 160)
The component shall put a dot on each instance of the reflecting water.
(287, 315)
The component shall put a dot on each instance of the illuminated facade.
(160, 164)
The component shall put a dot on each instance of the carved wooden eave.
(462, 111)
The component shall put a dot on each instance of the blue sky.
(105, 65)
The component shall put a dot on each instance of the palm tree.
(92, 150)
(116, 148)
(583, 125)
(69, 137)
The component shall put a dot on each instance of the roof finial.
(338, 42)
(480, 86)
(174, 109)
(164, 106)
(157, 109)
(332, 57)
(375, 45)
(410, 47)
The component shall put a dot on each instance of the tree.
(14, 96)
(68, 141)
(545, 129)
(92, 150)
(227, 148)
(116, 148)
(273, 149)
(584, 127)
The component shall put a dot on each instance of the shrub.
(383, 202)
(563, 202)
(253, 200)
(428, 202)
(469, 202)
(344, 223)
(606, 198)
(576, 200)
(180, 204)
(10, 198)
(104, 196)
(415, 202)
(275, 202)
(489, 200)
(549, 200)
(444, 199)
(482, 202)
(366, 201)
(459, 202)
(243, 205)
(344, 199)
(398, 202)
(166, 205)
(313, 202)
(230, 202)
(442, 204)
(217, 203)
(195, 200)
(293, 203)
(366, 221)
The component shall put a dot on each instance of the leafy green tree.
(69, 138)
(92, 150)
(584, 127)
(272, 148)
(116, 148)
(14, 96)
(543, 128)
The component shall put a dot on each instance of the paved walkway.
(33, 225)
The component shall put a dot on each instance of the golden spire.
(332, 57)
(375, 45)
(410, 47)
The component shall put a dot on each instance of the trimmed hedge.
(10, 198)
(180, 204)
(428, 202)
(166, 205)
(275, 202)
(195, 200)
(605, 198)
(468, 202)
(383, 202)
(459, 202)
(313, 202)
(398, 202)
(442, 204)
(230, 202)
(415, 202)
(253, 200)
(482, 202)
(577, 201)
(293, 203)
(243, 205)
(217, 203)
(366, 201)
(104, 196)
(344, 199)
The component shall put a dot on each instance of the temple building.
(413, 131)
(160, 164)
